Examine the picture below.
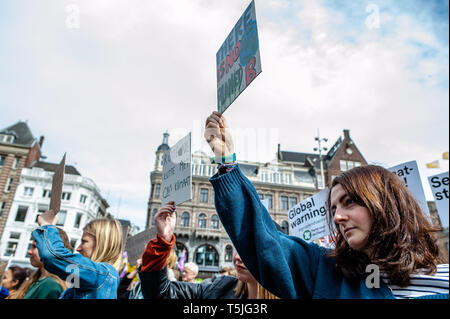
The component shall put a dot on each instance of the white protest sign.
(409, 174)
(177, 174)
(439, 187)
(308, 219)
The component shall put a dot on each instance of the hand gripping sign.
(238, 61)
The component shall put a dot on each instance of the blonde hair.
(262, 293)
(172, 260)
(108, 241)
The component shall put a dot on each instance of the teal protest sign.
(238, 61)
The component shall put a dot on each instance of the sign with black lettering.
(177, 173)
(409, 174)
(439, 187)
(308, 219)
(238, 62)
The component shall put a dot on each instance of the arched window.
(180, 248)
(229, 253)
(185, 219)
(206, 255)
(215, 222)
(285, 227)
(153, 216)
(202, 220)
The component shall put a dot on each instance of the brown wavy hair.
(401, 239)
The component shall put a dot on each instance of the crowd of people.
(374, 219)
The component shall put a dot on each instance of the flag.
(445, 156)
(434, 164)
(182, 260)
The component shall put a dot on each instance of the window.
(185, 219)
(12, 244)
(346, 165)
(228, 253)
(21, 213)
(16, 163)
(6, 138)
(284, 203)
(202, 220)
(215, 222)
(343, 165)
(66, 195)
(269, 197)
(319, 181)
(9, 184)
(206, 255)
(157, 190)
(261, 196)
(153, 216)
(204, 193)
(61, 218)
(73, 243)
(292, 202)
(83, 199)
(288, 178)
(357, 164)
(46, 193)
(350, 164)
(2, 208)
(28, 191)
(2, 160)
(77, 223)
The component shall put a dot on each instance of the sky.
(103, 80)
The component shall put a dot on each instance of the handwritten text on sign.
(238, 61)
(308, 219)
(177, 175)
(439, 187)
(409, 174)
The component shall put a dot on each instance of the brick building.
(18, 149)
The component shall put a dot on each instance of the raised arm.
(284, 265)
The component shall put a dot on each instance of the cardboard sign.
(308, 219)
(439, 187)
(409, 174)
(177, 173)
(57, 184)
(238, 61)
(135, 246)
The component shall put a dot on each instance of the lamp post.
(320, 149)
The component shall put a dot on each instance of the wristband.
(225, 159)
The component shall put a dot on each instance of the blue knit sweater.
(285, 265)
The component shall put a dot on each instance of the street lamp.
(320, 149)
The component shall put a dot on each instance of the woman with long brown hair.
(385, 247)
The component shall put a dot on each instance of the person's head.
(102, 242)
(375, 219)
(35, 260)
(14, 277)
(242, 272)
(190, 271)
(226, 271)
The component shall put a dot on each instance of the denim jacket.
(88, 279)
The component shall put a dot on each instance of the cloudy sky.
(102, 80)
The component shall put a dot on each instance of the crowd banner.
(177, 173)
(308, 219)
(439, 187)
(238, 61)
(410, 176)
(135, 246)
(57, 184)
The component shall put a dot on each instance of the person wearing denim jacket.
(87, 279)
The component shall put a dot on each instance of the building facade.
(283, 182)
(81, 202)
(18, 149)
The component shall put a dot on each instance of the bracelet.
(225, 159)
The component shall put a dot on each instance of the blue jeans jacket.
(88, 279)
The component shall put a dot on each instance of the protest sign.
(439, 187)
(308, 219)
(409, 174)
(57, 184)
(238, 61)
(177, 174)
(135, 246)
